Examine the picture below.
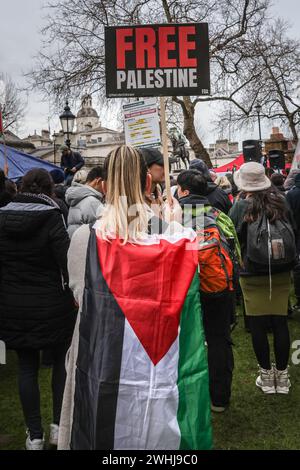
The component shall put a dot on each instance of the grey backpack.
(271, 247)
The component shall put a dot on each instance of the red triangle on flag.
(150, 284)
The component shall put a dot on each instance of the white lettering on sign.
(169, 78)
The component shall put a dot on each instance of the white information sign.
(142, 123)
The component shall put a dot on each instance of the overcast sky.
(21, 21)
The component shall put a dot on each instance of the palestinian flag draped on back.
(142, 376)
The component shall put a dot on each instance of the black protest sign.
(157, 60)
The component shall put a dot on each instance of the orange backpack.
(215, 261)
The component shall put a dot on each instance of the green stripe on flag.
(194, 402)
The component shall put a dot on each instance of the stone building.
(42, 140)
(90, 138)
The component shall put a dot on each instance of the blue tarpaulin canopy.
(19, 163)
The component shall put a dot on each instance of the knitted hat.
(200, 165)
(57, 176)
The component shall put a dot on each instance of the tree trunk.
(293, 129)
(188, 113)
(190, 131)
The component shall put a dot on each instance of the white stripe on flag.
(146, 416)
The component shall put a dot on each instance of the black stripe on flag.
(99, 360)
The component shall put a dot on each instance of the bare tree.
(72, 56)
(13, 107)
(270, 76)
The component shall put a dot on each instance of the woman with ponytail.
(130, 274)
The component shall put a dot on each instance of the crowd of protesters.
(255, 220)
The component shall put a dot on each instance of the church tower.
(87, 117)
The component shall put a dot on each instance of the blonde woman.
(223, 182)
(127, 379)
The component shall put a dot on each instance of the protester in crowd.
(71, 162)
(224, 183)
(59, 191)
(133, 340)
(58, 178)
(277, 179)
(6, 189)
(19, 183)
(234, 189)
(216, 196)
(290, 180)
(264, 228)
(80, 177)
(200, 165)
(36, 305)
(213, 176)
(269, 172)
(155, 163)
(11, 188)
(85, 200)
(216, 298)
(293, 198)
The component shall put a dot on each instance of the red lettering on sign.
(185, 46)
(123, 46)
(165, 46)
(145, 44)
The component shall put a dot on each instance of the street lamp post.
(258, 110)
(67, 120)
(54, 147)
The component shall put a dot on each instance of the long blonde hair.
(125, 214)
(223, 182)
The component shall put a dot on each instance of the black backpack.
(271, 247)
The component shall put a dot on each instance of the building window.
(99, 139)
(93, 141)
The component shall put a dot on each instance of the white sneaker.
(34, 444)
(53, 438)
(217, 409)
(266, 380)
(283, 382)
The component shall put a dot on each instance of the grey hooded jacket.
(86, 205)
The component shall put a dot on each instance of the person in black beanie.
(215, 195)
(59, 192)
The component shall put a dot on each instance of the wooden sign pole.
(165, 148)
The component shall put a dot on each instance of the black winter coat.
(293, 199)
(36, 305)
(70, 161)
(218, 198)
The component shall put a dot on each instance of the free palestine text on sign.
(157, 60)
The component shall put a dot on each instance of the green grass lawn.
(253, 421)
